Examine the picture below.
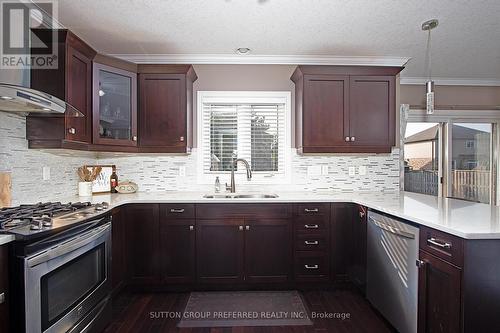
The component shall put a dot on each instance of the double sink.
(239, 196)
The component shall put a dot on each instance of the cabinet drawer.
(442, 245)
(311, 242)
(312, 209)
(311, 266)
(250, 211)
(178, 211)
(311, 225)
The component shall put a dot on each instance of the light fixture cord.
(428, 55)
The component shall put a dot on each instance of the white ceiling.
(465, 45)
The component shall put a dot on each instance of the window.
(451, 154)
(250, 125)
(421, 158)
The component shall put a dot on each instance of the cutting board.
(5, 189)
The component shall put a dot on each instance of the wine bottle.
(114, 181)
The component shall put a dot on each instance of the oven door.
(67, 281)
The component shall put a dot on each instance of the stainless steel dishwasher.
(392, 275)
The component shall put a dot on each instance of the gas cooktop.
(40, 217)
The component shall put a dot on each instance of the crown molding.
(224, 59)
(444, 81)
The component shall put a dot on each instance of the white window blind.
(255, 132)
(254, 129)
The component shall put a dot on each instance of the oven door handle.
(68, 246)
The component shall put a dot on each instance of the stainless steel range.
(62, 257)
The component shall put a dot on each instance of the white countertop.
(4, 239)
(457, 217)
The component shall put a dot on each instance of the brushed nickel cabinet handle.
(438, 243)
(72, 130)
(191, 227)
(311, 266)
(134, 138)
(181, 139)
(247, 227)
(353, 138)
(347, 139)
(2, 298)
(311, 226)
(240, 228)
(174, 210)
(314, 210)
(311, 242)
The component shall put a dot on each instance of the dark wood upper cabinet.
(114, 106)
(268, 250)
(326, 122)
(71, 81)
(165, 107)
(439, 290)
(219, 250)
(4, 289)
(143, 243)
(343, 109)
(372, 120)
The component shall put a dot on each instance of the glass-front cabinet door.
(115, 106)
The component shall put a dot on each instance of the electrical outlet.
(352, 171)
(362, 170)
(182, 171)
(46, 173)
(324, 169)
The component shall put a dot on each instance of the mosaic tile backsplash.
(26, 165)
(161, 172)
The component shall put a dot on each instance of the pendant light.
(429, 85)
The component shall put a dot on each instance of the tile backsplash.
(155, 172)
(26, 165)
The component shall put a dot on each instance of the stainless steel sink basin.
(240, 196)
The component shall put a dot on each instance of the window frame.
(244, 97)
(446, 119)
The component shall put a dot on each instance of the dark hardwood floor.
(132, 313)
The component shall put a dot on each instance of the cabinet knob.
(247, 227)
(134, 138)
(191, 227)
(353, 138)
(347, 139)
(2, 298)
(240, 228)
(420, 263)
(181, 139)
(72, 130)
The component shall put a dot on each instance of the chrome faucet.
(232, 187)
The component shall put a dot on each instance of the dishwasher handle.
(391, 229)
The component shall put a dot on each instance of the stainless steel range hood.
(19, 99)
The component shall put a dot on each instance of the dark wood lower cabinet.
(219, 250)
(439, 307)
(341, 240)
(177, 244)
(143, 243)
(268, 250)
(4, 289)
(118, 249)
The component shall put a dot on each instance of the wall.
(452, 95)
(26, 165)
